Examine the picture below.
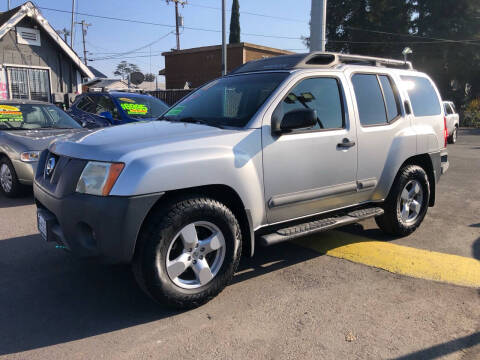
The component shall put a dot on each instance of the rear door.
(383, 131)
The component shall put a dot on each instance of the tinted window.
(87, 104)
(321, 94)
(369, 99)
(228, 101)
(422, 95)
(453, 107)
(391, 99)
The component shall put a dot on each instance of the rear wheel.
(453, 138)
(407, 203)
(9, 184)
(188, 252)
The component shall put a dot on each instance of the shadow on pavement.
(441, 350)
(48, 297)
(25, 199)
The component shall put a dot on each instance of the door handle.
(346, 143)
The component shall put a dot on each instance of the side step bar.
(294, 232)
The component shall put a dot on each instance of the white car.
(453, 120)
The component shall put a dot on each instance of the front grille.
(60, 177)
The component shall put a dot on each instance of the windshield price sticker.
(175, 111)
(127, 100)
(10, 114)
(135, 109)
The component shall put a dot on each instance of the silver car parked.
(26, 129)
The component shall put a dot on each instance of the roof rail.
(317, 60)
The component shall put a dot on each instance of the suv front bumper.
(95, 226)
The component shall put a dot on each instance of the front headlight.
(98, 178)
(30, 156)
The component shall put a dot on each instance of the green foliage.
(235, 23)
(149, 77)
(124, 69)
(454, 66)
(471, 114)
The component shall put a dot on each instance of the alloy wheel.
(6, 179)
(195, 255)
(410, 202)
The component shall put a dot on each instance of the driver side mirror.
(107, 115)
(294, 120)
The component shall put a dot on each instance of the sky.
(107, 37)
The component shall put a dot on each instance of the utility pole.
(318, 25)
(224, 37)
(84, 32)
(72, 28)
(65, 34)
(178, 19)
(8, 5)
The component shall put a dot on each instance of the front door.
(311, 170)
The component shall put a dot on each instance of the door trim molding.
(311, 195)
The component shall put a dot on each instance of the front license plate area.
(45, 221)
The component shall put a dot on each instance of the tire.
(167, 237)
(401, 220)
(452, 139)
(9, 184)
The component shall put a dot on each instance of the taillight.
(445, 131)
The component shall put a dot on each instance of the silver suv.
(280, 148)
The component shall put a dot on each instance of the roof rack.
(317, 60)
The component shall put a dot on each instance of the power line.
(251, 13)
(470, 41)
(166, 25)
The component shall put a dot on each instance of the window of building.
(32, 84)
(422, 95)
(322, 94)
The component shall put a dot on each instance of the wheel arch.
(224, 194)
(425, 162)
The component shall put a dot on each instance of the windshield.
(228, 101)
(34, 116)
(141, 107)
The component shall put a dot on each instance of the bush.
(471, 114)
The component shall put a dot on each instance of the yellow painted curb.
(397, 259)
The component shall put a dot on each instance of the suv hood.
(118, 143)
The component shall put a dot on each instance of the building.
(194, 67)
(35, 62)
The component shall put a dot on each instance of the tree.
(149, 77)
(235, 23)
(124, 69)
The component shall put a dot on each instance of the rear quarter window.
(422, 95)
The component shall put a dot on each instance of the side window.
(87, 104)
(422, 95)
(321, 94)
(105, 103)
(368, 93)
(448, 109)
(391, 98)
(454, 109)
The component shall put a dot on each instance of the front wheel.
(9, 184)
(407, 203)
(188, 252)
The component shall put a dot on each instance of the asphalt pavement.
(288, 302)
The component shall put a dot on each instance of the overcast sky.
(108, 36)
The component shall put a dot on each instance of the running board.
(300, 230)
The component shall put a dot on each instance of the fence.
(170, 96)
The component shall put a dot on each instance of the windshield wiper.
(193, 120)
